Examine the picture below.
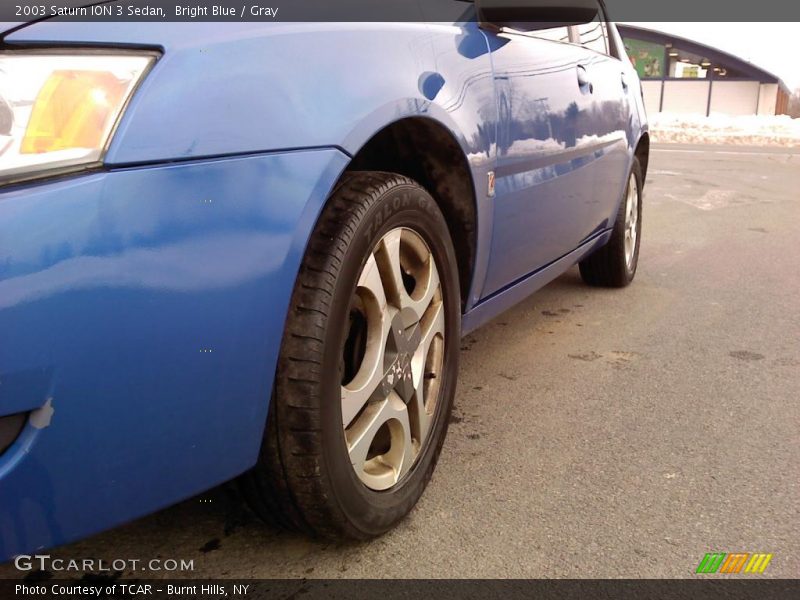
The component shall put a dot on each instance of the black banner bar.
(351, 589)
(376, 10)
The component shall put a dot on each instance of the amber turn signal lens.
(58, 109)
(74, 109)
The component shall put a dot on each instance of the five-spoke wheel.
(631, 220)
(392, 359)
(368, 364)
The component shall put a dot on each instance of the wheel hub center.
(401, 343)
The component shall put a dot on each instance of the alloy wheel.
(631, 221)
(392, 360)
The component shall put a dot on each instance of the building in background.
(682, 76)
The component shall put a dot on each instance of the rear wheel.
(614, 265)
(368, 365)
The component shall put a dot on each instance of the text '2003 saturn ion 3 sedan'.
(250, 249)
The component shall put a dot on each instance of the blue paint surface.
(146, 301)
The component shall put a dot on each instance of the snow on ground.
(748, 130)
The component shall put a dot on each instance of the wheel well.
(427, 152)
(643, 153)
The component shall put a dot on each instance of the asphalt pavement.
(597, 433)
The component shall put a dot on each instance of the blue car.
(249, 250)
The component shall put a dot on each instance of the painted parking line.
(730, 152)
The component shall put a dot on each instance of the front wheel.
(614, 265)
(368, 365)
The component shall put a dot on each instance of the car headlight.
(58, 111)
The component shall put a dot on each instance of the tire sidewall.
(371, 512)
(636, 172)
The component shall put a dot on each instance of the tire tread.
(290, 491)
(606, 266)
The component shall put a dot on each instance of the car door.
(608, 119)
(549, 146)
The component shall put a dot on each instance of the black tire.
(607, 266)
(304, 479)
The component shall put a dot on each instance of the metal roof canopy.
(712, 54)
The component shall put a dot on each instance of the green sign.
(647, 58)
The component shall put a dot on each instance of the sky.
(771, 46)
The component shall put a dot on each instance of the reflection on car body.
(214, 265)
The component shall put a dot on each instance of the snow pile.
(750, 130)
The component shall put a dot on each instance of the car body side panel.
(145, 303)
(624, 127)
(558, 146)
(231, 88)
(146, 306)
(545, 175)
(508, 297)
(610, 117)
(635, 124)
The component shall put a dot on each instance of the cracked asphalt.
(597, 433)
